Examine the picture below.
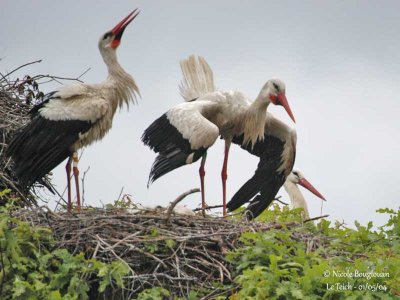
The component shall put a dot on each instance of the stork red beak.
(304, 183)
(119, 29)
(283, 101)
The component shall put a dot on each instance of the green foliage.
(318, 261)
(156, 293)
(276, 214)
(32, 268)
(313, 261)
(126, 202)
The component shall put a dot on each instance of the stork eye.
(276, 86)
(106, 35)
(296, 174)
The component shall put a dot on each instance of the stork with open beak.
(294, 179)
(73, 117)
(183, 134)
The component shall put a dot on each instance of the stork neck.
(261, 102)
(296, 197)
(110, 59)
(113, 66)
(254, 121)
(122, 85)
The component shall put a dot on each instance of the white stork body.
(202, 121)
(184, 133)
(73, 117)
(296, 197)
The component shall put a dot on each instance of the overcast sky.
(340, 61)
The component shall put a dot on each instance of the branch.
(177, 200)
(83, 185)
(278, 199)
(208, 207)
(316, 218)
(87, 70)
(20, 67)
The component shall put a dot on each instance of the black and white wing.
(180, 137)
(56, 124)
(277, 154)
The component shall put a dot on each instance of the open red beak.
(304, 183)
(283, 101)
(119, 29)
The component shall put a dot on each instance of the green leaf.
(55, 295)
(297, 294)
(104, 283)
(281, 290)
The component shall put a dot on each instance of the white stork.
(73, 117)
(184, 133)
(296, 197)
(277, 152)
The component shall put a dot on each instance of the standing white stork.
(73, 117)
(184, 133)
(294, 179)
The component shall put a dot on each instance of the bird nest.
(16, 100)
(176, 252)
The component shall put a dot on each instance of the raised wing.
(277, 154)
(198, 78)
(180, 136)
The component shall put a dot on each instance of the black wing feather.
(266, 181)
(163, 138)
(41, 145)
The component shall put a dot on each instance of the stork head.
(274, 91)
(297, 177)
(111, 39)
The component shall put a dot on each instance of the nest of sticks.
(16, 100)
(175, 252)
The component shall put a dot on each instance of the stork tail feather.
(198, 78)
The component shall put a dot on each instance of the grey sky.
(340, 61)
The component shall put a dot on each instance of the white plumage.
(297, 199)
(66, 109)
(184, 133)
(189, 120)
(73, 117)
(198, 78)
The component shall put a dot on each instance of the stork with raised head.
(73, 117)
(184, 133)
(297, 200)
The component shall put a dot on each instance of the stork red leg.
(202, 173)
(224, 176)
(68, 169)
(76, 176)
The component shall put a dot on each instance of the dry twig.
(177, 200)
